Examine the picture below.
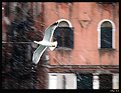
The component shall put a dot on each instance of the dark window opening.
(64, 37)
(105, 81)
(106, 35)
(84, 81)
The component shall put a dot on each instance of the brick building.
(87, 55)
(93, 58)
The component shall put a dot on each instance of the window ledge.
(63, 48)
(106, 2)
(106, 49)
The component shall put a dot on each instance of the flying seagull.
(45, 43)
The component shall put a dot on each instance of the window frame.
(70, 26)
(99, 33)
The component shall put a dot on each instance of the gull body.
(45, 43)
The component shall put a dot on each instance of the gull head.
(38, 42)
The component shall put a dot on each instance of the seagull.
(45, 43)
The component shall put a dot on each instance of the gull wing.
(38, 53)
(49, 31)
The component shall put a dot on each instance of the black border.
(60, 1)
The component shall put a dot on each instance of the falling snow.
(22, 24)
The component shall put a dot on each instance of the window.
(62, 81)
(106, 34)
(84, 81)
(100, 81)
(105, 81)
(64, 35)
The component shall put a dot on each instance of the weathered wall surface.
(85, 17)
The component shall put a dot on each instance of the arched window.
(106, 34)
(64, 34)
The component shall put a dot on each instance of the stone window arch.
(106, 33)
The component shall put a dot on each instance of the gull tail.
(54, 45)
